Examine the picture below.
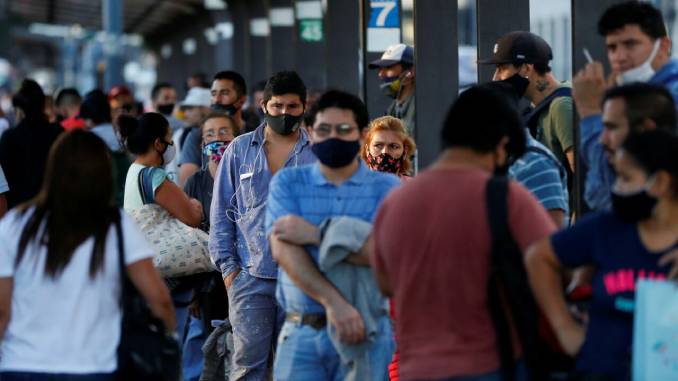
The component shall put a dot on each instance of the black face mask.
(633, 208)
(166, 109)
(518, 83)
(284, 124)
(229, 110)
(336, 153)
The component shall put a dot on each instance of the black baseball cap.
(520, 47)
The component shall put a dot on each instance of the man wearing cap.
(195, 107)
(396, 71)
(122, 102)
(522, 59)
(639, 50)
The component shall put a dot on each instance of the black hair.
(646, 101)
(481, 117)
(95, 107)
(238, 81)
(285, 82)
(68, 97)
(30, 99)
(260, 86)
(74, 204)
(341, 100)
(159, 86)
(643, 14)
(139, 134)
(541, 68)
(653, 151)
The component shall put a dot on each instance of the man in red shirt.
(432, 243)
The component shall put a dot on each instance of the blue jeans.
(192, 356)
(30, 376)
(256, 319)
(521, 375)
(307, 354)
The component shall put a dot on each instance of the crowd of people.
(279, 235)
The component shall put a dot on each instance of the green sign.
(311, 30)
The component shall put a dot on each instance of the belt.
(316, 321)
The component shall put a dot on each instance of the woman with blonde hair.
(388, 147)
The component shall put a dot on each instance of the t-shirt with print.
(555, 128)
(620, 258)
(432, 242)
(133, 198)
(70, 323)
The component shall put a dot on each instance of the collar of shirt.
(666, 72)
(359, 177)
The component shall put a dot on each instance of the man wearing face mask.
(227, 95)
(195, 106)
(396, 71)
(163, 100)
(522, 58)
(639, 50)
(238, 243)
(300, 200)
(441, 215)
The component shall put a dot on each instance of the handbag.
(146, 350)
(655, 331)
(180, 250)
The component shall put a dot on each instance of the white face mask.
(642, 73)
(169, 153)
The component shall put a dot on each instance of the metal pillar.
(437, 67)
(223, 50)
(283, 40)
(112, 23)
(310, 60)
(342, 27)
(241, 40)
(495, 18)
(259, 41)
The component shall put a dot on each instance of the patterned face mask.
(215, 150)
(385, 163)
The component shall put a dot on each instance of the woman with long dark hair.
(60, 288)
(623, 246)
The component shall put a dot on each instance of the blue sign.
(384, 14)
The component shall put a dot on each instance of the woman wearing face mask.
(209, 300)
(217, 130)
(623, 246)
(388, 147)
(150, 138)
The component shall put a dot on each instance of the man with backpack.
(444, 324)
(525, 57)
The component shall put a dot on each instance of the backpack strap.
(549, 155)
(145, 184)
(497, 213)
(532, 117)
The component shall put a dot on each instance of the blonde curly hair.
(389, 123)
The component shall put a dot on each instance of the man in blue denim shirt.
(300, 199)
(638, 49)
(238, 243)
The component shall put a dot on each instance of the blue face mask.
(335, 152)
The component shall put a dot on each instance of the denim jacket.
(238, 209)
(600, 176)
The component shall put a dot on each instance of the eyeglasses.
(324, 129)
(213, 134)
